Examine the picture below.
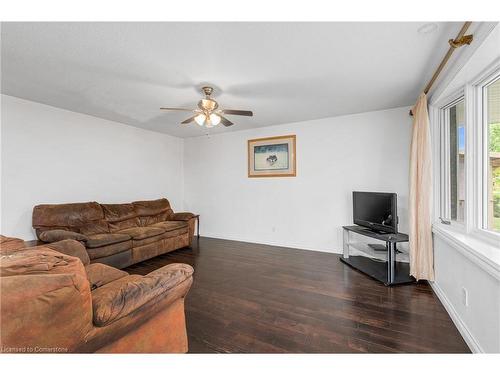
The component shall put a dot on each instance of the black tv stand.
(388, 271)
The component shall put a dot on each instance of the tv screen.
(377, 211)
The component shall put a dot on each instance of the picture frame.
(272, 157)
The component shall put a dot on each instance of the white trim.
(470, 340)
(478, 252)
(470, 160)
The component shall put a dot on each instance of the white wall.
(50, 155)
(335, 156)
(479, 322)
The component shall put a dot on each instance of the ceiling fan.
(208, 113)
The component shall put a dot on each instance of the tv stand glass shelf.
(376, 260)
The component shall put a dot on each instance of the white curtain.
(420, 205)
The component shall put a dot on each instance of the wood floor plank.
(252, 298)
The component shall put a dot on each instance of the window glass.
(457, 161)
(493, 152)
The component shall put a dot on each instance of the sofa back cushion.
(120, 216)
(75, 217)
(152, 212)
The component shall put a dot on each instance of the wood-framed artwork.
(272, 157)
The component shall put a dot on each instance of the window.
(491, 102)
(468, 157)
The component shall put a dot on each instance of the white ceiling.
(284, 72)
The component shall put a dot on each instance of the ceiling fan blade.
(225, 121)
(176, 109)
(237, 112)
(188, 120)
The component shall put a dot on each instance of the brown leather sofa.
(116, 234)
(54, 300)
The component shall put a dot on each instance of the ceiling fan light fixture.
(214, 119)
(200, 119)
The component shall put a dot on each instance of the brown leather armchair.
(54, 300)
(116, 234)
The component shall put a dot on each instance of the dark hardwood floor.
(250, 298)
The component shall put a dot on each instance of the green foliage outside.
(494, 138)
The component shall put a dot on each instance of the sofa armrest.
(55, 235)
(72, 248)
(124, 296)
(181, 216)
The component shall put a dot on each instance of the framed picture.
(272, 157)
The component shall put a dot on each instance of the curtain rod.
(460, 40)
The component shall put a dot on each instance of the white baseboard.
(271, 243)
(471, 342)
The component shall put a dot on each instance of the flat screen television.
(377, 211)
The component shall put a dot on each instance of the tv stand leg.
(391, 253)
(345, 240)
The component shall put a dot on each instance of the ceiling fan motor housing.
(208, 105)
(207, 90)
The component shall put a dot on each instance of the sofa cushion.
(71, 215)
(104, 251)
(160, 237)
(95, 227)
(55, 235)
(72, 248)
(100, 274)
(123, 296)
(153, 211)
(103, 239)
(120, 216)
(140, 233)
(148, 240)
(171, 225)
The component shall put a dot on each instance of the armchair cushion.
(182, 216)
(8, 244)
(119, 298)
(41, 260)
(100, 274)
(103, 239)
(41, 288)
(55, 235)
